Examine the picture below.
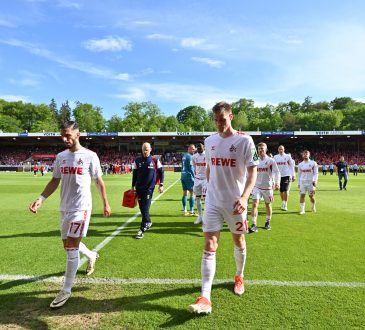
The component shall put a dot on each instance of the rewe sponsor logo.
(224, 162)
(71, 170)
(262, 169)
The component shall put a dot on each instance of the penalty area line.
(173, 281)
(121, 227)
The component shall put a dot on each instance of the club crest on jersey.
(63, 161)
(212, 148)
(232, 148)
(255, 156)
(80, 162)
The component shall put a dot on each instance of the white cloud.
(14, 98)
(192, 42)
(75, 65)
(27, 79)
(7, 23)
(203, 95)
(142, 22)
(122, 76)
(69, 4)
(197, 43)
(110, 43)
(135, 94)
(159, 36)
(209, 61)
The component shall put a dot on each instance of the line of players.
(273, 173)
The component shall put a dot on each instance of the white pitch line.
(173, 281)
(121, 227)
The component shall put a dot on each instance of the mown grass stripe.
(173, 281)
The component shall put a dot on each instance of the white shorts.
(214, 217)
(305, 187)
(200, 187)
(266, 194)
(74, 224)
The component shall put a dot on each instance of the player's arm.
(161, 173)
(100, 185)
(292, 164)
(315, 174)
(48, 191)
(276, 175)
(240, 205)
(134, 175)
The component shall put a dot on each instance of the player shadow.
(28, 310)
(164, 228)
(51, 233)
(14, 283)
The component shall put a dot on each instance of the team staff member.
(286, 167)
(187, 180)
(145, 170)
(75, 167)
(342, 171)
(231, 173)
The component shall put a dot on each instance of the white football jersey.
(200, 165)
(75, 169)
(228, 159)
(307, 171)
(285, 164)
(267, 173)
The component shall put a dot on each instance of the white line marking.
(121, 227)
(173, 281)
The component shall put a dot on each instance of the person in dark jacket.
(146, 170)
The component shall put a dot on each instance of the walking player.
(75, 167)
(231, 173)
(307, 180)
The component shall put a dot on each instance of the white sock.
(240, 257)
(208, 272)
(199, 205)
(72, 264)
(85, 251)
(254, 220)
(302, 206)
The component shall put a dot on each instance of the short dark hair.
(69, 124)
(222, 106)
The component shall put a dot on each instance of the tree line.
(342, 113)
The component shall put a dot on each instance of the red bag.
(130, 198)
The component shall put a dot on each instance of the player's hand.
(239, 205)
(35, 205)
(107, 210)
(160, 189)
(293, 178)
(314, 184)
(276, 187)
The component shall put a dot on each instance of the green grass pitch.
(308, 272)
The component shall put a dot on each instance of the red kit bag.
(129, 198)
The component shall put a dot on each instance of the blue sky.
(180, 53)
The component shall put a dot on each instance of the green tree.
(9, 124)
(54, 109)
(171, 124)
(115, 124)
(64, 113)
(193, 118)
(341, 103)
(90, 118)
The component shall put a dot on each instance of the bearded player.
(75, 167)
